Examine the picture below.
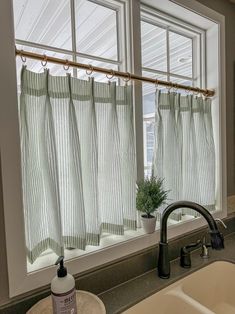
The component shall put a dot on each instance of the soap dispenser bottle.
(63, 291)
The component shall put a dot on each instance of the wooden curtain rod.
(126, 76)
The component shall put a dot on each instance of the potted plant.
(150, 196)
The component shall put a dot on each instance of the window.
(90, 32)
(57, 28)
(170, 52)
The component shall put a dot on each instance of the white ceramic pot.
(148, 224)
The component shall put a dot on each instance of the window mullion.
(202, 52)
(195, 63)
(120, 31)
(134, 15)
(168, 53)
(73, 34)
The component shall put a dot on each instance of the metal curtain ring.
(206, 93)
(23, 59)
(91, 70)
(112, 73)
(67, 65)
(128, 77)
(175, 87)
(44, 61)
(170, 86)
(196, 92)
(187, 91)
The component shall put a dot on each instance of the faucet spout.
(217, 241)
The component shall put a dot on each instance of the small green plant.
(150, 195)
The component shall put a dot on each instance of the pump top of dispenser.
(61, 271)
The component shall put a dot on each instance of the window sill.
(108, 241)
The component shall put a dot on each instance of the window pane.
(96, 30)
(148, 119)
(180, 54)
(154, 54)
(45, 22)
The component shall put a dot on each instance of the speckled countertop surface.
(133, 291)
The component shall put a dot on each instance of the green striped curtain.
(184, 153)
(78, 161)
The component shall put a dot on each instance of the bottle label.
(64, 303)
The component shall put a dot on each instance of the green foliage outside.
(150, 195)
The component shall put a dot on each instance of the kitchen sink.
(163, 304)
(209, 290)
(213, 286)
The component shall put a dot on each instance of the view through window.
(168, 54)
(78, 30)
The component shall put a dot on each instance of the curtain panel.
(184, 151)
(78, 161)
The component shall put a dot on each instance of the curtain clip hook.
(66, 66)
(90, 70)
(128, 78)
(110, 76)
(197, 92)
(170, 86)
(44, 61)
(175, 87)
(156, 83)
(23, 59)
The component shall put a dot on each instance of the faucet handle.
(222, 223)
(185, 257)
(205, 246)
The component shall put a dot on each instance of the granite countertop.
(133, 291)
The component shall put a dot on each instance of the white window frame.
(198, 37)
(19, 280)
(179, 27)
(119, 6)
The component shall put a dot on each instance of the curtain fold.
(78, 161)
(184, 152)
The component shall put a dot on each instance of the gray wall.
(3, 261)
(228, 10)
